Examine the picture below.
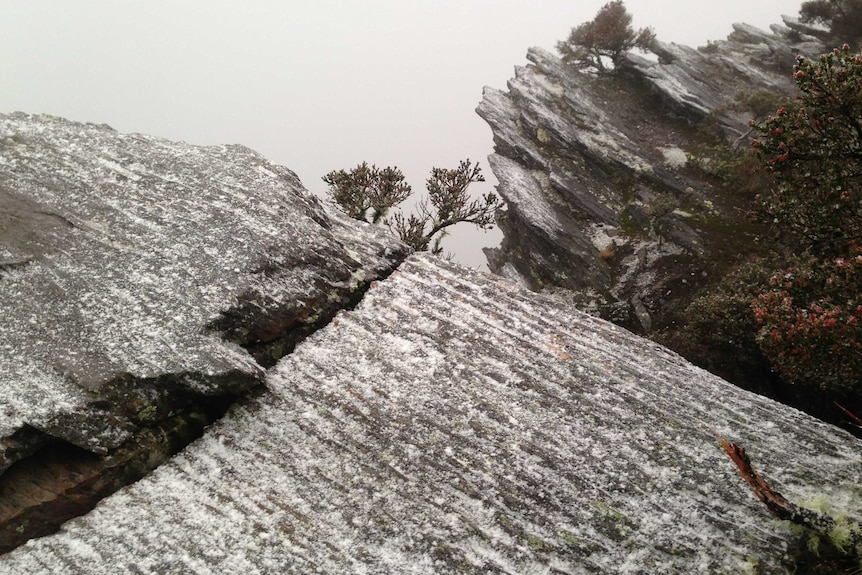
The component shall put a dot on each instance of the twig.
(774, 501)
(856, 421)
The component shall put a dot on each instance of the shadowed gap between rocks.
(60, 481)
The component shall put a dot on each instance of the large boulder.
(456, 423)
(145, 284)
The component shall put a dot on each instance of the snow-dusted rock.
(455, 423)
(610, 151)
(139, 280)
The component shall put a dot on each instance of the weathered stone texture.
(455, 423)
(140, 278)
(593, 167)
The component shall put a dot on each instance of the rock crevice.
(145, 285)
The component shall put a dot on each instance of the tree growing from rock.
(844, 18)
(448, 202)
(609, 35)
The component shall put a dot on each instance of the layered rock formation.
(145, 284)
(455, 423)
(593, 168)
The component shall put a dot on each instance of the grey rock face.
(141, 278)
(593, 169)
(455, 423)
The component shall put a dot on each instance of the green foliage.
(717, 329)
(802, 313)
(844, 18)
(448, 201)
(367, 188)
(815, 154)
(608, 35)
(810, 322)
(733, 167)
(810, 315)
(449, 204)
(831, 542)
(760, 103)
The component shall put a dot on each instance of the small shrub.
(448, 203)
(719, 329)
(844, 18)
(367, 188)
(814, 152)
(608, 35)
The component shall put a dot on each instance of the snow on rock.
(612, 149)
(456, 423)
(137, 275)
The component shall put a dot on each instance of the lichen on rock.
(142, 278)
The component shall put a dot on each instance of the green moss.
(543, 136)
(842, 534)
(452, 558)
(629, 227)
(538, 544)
(812, 543)
(148, 414)
(752, 566)
(568, 537)
(609, 511)
(277, 351)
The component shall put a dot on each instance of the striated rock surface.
(144, 285)
(593, 168)
(455, 423)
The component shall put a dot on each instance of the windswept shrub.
(367, 188)
(448, 202)
(609, 35)
(844, 18)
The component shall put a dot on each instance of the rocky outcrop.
(145, 284)
(594, 173)
(455, 423)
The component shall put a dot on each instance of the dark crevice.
(267, 353)
(61, 481)
(48, 479)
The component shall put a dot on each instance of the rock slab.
(456, 423)
(143, 279)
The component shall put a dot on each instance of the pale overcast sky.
(315, 85)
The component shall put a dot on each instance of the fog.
(313, 85)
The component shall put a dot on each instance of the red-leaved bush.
(811, 322)
(814, 151)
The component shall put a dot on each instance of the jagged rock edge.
(156, 439)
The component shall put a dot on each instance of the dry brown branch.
(821, 524)
(775, 502)
(856, 421)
